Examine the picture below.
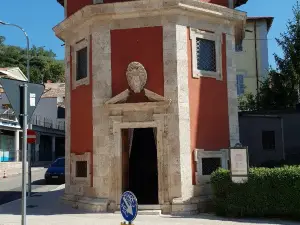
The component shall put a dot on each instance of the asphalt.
(48, 209)
(11, 187)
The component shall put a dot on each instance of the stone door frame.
(158, 123)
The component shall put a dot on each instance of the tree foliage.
(281, 88)
(43, 65)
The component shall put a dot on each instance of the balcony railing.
(8, 116)
(58, 124)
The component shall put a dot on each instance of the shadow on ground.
(49, 203)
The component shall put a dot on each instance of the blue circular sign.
(128, 206)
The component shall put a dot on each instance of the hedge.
(268, 193)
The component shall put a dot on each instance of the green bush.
(268, 193)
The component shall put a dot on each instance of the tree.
(281, 89)
(43, 65)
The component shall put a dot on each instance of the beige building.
(251, 57)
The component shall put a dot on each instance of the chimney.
(49, 81)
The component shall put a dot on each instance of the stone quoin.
(151, 104)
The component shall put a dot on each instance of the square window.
(268, 140)
(81, 169)
(209, 165)
(206, 55)
(81, 64)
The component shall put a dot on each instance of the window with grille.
(268, 140)
(209, 165)
(81, 169)
(240, 86)
(81, 63)
(206, 55)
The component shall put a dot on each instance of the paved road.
(11, 187)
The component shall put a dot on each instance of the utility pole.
(24, 114)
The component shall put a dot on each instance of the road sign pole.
(29, 167)
(24, 154)
(24, 158)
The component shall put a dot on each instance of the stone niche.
(207, 162)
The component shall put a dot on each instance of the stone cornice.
(150, 8)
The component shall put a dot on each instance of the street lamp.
(24, 147)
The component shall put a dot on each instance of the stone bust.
(136, 76)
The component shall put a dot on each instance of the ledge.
(135, 9)
(137, 106)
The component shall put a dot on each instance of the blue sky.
(38, 17)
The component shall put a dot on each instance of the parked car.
(56, 171)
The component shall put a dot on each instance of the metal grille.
(209, 165)
(81, 169)
(206, 55)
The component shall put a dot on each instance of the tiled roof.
(54, 90)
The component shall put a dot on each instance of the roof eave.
(61, 2)
(240, 2)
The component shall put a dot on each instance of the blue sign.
(129, 206)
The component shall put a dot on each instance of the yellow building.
(251, 57)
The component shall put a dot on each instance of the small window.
(268, 140)
(206, 55)
(81, 64)
(81, 169)
(209, 165)
(61, 112)
(239, 47)
(240, 86)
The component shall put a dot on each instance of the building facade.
(271, 137)
(48, 120)
(251, 57)
(155, 82)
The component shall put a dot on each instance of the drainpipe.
(256, 60)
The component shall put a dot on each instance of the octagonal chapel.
(151, 103)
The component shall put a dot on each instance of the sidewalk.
(15, 168)
(49, 211)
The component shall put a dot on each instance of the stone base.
(89, 204)
(178, 207)
(184, 207)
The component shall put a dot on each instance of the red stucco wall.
(208, 109)
(74, 6)
(144, 45)
(82, 116)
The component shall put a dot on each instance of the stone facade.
(169, 114)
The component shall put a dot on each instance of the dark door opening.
(142, 168)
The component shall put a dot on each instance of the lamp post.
(24, 147)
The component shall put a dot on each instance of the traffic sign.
(31, 136)
(129, 206)
(14, 92)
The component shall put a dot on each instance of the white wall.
(47, 108)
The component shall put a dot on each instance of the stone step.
(145, 212)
